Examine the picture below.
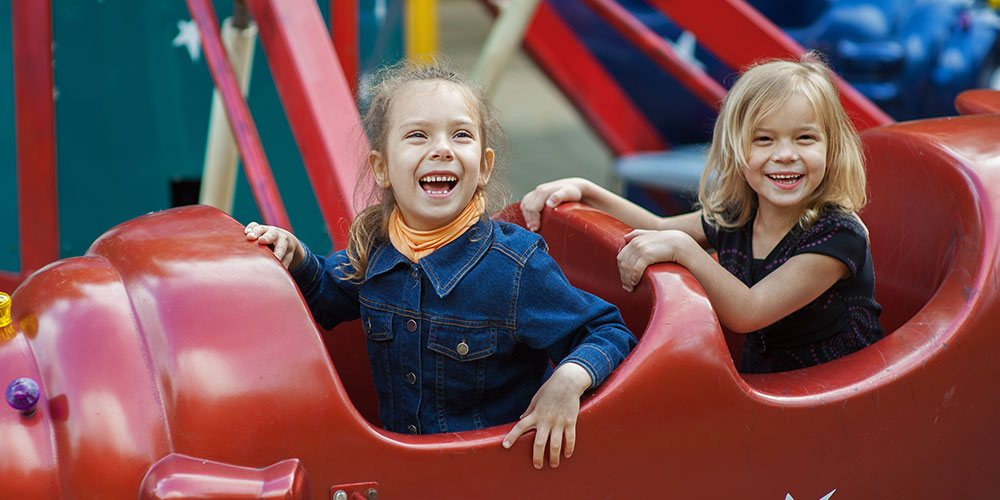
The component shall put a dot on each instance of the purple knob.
(22, 395)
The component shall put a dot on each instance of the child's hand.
(552, 413)
(550, 194)
(285, 245)
(644, 248)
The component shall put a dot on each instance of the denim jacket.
(463, 338)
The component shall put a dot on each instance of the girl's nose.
(442, 152)
(785, 154)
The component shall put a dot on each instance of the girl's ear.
(379, 169)
(486, 168)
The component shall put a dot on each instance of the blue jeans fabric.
(464, 338)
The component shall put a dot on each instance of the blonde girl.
(779, 199)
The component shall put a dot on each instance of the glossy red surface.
(978, 102)
(175, 335)
(179, 476)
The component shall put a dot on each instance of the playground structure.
(211, 373)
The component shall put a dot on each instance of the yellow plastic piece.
(421, 29)
(995, 4)
(4, 310)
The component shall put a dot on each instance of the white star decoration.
(189, 37)
(684, 47)
(788, 496)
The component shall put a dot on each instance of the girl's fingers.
(634, 234)
(538, 451)
(555, 198)
(555, 446)
(279, 248)
(570, 436)
(531, 209)
(625, 265)
(520, 428)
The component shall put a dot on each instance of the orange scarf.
(415, 245)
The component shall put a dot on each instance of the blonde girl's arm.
(554, 193)
(789, 288)
(742, 309)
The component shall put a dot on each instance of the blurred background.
(133, 93)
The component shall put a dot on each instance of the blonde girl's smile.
(434, 160)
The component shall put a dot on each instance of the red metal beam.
(34, 124)
(583, 80)
(717, 23)
(344, 31)
(660, 51)
(318, 102)
(255, 164)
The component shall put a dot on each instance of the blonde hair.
(724, 194)
(371, 226)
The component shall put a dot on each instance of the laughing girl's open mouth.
(438, 184)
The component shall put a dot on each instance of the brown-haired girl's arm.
(284, 244)
(586, 192)
(742, 309)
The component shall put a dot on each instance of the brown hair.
(371, 226)
(724, 194)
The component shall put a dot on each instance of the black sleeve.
(711, 232)
(841, 237)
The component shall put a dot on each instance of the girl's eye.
(463, 134)
(761, 139)
(807, 138)
(416, 135)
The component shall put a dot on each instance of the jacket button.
(462, 348)
(411, 325)
(412, 428)
(368, 325)
(411, 378)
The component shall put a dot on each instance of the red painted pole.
(716, 23)
(318, 103)
(660, 51)
(344, 31)
(34, 122)
(585, 82)
(244, 130)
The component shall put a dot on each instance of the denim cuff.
(594, 360)
(307, 272)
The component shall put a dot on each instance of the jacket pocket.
(462, 344)
(376, 324)
(464, 359)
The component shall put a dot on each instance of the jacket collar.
(446, 266)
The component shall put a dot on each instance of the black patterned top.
(840, 321)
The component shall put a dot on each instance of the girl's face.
(787, 160)
(434, 159)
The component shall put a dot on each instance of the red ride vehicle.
(177, 360)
